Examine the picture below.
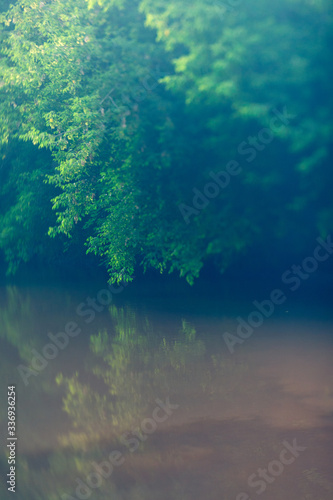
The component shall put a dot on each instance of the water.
(149, 395)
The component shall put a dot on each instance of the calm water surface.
(150, 383)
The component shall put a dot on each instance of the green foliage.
(131, 104)
(25, 208)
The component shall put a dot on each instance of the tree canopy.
(163, 133)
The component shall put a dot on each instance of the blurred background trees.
(113, 112)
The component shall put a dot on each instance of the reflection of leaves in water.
(182, 352)
(40, 478)
(79, 401)
(16, 313)
(135, 365)
(99, 342)
(20, 318)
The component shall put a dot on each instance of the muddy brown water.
(153, 382)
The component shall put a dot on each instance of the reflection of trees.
(15, 313)
(135, 366)
(128, 370)
(21, 310)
